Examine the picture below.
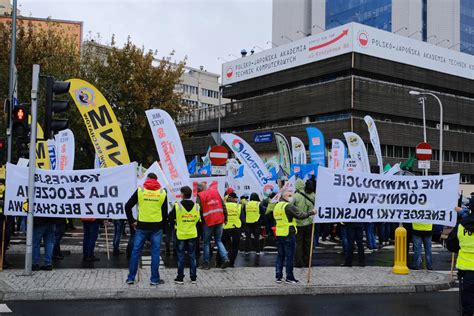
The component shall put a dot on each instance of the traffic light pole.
(11, 83)
(32, 169)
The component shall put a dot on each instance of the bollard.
(400, 266)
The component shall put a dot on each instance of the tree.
(133, 81)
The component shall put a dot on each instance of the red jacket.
(211, 207)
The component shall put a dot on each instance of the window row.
(210, 93)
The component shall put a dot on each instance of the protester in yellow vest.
(253, 212)
(152, 217)
(422, 235)
(232, 229)
(184, 217)
(461, 240)
(285, 216)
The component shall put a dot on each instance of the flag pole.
(311, 254)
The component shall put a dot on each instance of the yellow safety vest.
(186, 221)
(282, 223)
(149, 205)
(252, 212)
(422, 227)
(233, 215)
(465, 260)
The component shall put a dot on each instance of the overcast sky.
(202, 30)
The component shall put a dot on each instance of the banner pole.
(452, 267)
(310, 254)
(3, 242)
(106, 223)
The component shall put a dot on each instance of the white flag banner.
(94, 193)
(156, 169)
(298, 150)
(65, 150)
(247, 155)
(352, 165)
(338, 155)
(217, 183)
(375, 140)
(357, 150)
(365, 197)
(170, 150)
(53, 162)
(395, 168)
(241, 180)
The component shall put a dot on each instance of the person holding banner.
(285, 216)
(355, 232)
(214, 216)
(303, 200)
(43, 230)
(152, 217)
(422, 234)
(185, 216)
(461, 241)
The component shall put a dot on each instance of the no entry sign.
(218, 155)
(423, 151)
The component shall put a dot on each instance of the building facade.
(200, 88)
(332, 80)
(449, 24)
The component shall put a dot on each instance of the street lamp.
(273, 44)
(414, 33)
(442, 41)
(431, 37)
(315, 25)
(302, 33)
(402, 28)
(412, 92)
(284, 36)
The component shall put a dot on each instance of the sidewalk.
(74, 284)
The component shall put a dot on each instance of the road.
(420, 304)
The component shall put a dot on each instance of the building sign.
(351, 37)
(265, 137)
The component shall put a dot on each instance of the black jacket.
(452, 242)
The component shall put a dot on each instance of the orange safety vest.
(212, 208)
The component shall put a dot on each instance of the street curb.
(193, 291)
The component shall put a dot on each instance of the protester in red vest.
(213, 215)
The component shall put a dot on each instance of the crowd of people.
(286, 223)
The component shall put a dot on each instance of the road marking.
(4, 308)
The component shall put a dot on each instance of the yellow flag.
(101, 123)
(42, 153)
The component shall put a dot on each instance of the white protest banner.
(393, 170)
(156, 169)
(357, 150)
(217, 183)
(65, 148)
(241, 180)
(375, 140)
(95, 193)
(365, 197)
(298, 150)
(247, 155)
(170, 149)
(352, 165)
(338, 154)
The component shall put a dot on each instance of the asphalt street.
(420, 304)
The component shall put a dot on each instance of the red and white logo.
(230, 72)
(363, 39)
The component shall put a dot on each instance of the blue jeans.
(119, 225)
(181, 245)
(140, 237)
(345, 243)
(91, 232)
(43, 232)
(355, 232)
(286, 251)
(215, 231)
(426, 241)
(384, 232)
(370, 234)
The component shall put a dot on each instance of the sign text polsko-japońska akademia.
(97, 193)
(365, 197)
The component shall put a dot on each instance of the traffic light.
(20, 121)
(22, 147)
(53, 125)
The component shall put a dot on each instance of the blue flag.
(192, 166)
(317, 146)
(205, 170)
(240, 173)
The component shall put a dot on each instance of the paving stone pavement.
(70, 284)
